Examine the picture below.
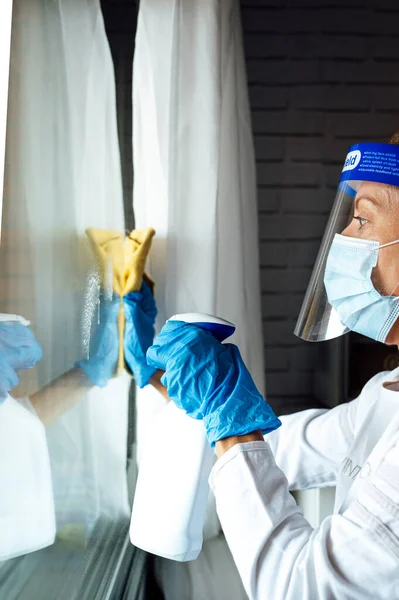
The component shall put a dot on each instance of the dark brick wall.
(322, 74)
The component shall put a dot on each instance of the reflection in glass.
(62, 176)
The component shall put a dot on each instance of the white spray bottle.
(27, 514)
(172, 487)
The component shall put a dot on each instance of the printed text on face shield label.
(383, 163)
(352, 160)
(372, 162)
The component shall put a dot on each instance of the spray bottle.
(27, 513)
(172, 487)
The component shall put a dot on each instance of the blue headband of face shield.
(351, 292)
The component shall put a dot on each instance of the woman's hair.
(394, 139)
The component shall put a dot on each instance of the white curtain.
(194, 167)
(63, 175)
(194, 182)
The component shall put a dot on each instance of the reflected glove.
(100, 366)
(140, 313)
(19, 350)
(210, 381)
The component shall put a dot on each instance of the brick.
(357, 22)
(332, 175)
(379, 124)
(259, 3)
(386, 98)
(289, 174)
(286, 405)
(302, 254)
(282, 71)
(305, 45)
(327, 46)
(304, 149)
(367, 72)
(278, 332)
(299, 227)
(306, 201)
(328, 20)
(268, 200)
(272, 227)
(276, 360)
(267, 20)
(302, 358)
(385, 5)
(267, 97)
(336, 149)
(336, 4)
(276, 306)
(329, 97)
(273, 254)
(296, 302)
(281, 305)
(292, 384)
(284, 280)
(384, 47)
(259, 45)
(291, 123)
(269, 148)
(363, 137)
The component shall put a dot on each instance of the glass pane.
(63, 439)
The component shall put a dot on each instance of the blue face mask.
(351, 292)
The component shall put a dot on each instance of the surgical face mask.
(351, 292)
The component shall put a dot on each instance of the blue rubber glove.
(101, 364)
(210, 381)
(19, 350)
(140, 313)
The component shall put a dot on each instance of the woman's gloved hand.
(101, 363)
(140, 313)
(210, 381)
(19, 350)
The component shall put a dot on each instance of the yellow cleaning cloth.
(122, 261)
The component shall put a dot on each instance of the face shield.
(356, 275)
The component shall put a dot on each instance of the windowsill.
(69, 571)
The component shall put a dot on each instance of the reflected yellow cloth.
(122, 262)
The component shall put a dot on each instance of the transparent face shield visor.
(319, 320)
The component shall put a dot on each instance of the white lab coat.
(354, 554)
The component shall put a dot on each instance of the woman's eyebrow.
(370, 199)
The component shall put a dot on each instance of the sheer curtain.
(62, 175)
(195, 184)
(194, 165)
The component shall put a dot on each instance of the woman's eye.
(361, 221)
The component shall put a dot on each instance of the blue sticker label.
(372, 162)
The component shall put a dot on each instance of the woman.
(355, 552)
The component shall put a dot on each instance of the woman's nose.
(347, 231)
